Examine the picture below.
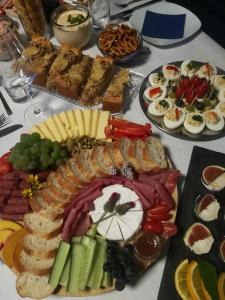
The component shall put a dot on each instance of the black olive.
(120, 284)
(200, 105)
(129, 249)
(179, 103)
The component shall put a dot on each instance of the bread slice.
(37, 202)
(157, 152)
(77, 170)
(41, 225)
(35, 245)
(113, 97)
(56, 188)
(71, 176)
(103, 159)
(144, 158)
(33, 286)
(64, 184)
(83, 165)
(115, 154)
(128, 150)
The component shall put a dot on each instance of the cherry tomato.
(5, 157)
(160, 209)
(196, 81)
(179, 92)
(154, 91)
(5, 167)
(201, 90)
(159, 217)
(185, 83)
(169, 228)
(153, 226)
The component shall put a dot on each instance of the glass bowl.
(126, 58)
(77, 32)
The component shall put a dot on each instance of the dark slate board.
(200, 158)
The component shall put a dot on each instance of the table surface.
(201, 48)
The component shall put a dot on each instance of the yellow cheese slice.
(54, 129)
(36, 129)
(87, 114)
(102, 123)
(73, 123)
(80, 122)
(61, 127)
(46, 131)
(94, 123)
(66, 122)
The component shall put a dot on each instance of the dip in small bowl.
(72, 24)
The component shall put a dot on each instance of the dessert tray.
(190, 91)
(85, 200)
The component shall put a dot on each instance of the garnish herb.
(197, 118)
(193, 64)
(164, 103)
(76, 20)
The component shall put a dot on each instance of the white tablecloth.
(201, 48)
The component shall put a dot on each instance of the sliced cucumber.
(77, 268)
(92, 231)
(59, 263)
(96, 273)
(76, 239)
(90, 243)
(66, 272)
(106, 280)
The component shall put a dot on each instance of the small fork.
(4, 121)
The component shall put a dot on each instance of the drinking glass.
(100, 11)
(18, 82)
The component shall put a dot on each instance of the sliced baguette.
(33, 286)
(103, 159)
(128, 150)
(144, 158)
(37, 202)
(57, 188)
(36, 223)
(115, 154)
(157, 152)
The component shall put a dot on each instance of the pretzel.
(118, 40)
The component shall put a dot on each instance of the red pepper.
(154, 91)
(5, 157)
(172, 68)
(131, 132)
(159, 209)
(177, 114)
(159, 217)
(155, 227)
(169, 228)
(5, 167)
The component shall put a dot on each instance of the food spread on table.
(186, 99)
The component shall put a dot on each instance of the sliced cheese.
(87, 115)
(36, 129)
(51, 124)
(46, 131)
(102, 123)
(73, 123)
(61, 127)
(80, 122)
(66, 122)
(94, 123)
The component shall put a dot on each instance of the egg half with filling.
(159, 107)
(157, 79)
(174, 118)
(219, 82)
(194, 123)
(221, 108)
(221, 95)
(155, 93)
(207, 71)
(189, 68)
(171, 72)
(213, 120)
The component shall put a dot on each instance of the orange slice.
(221, 286)
(194, 281)
(180, 280)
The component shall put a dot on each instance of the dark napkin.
(163, 26)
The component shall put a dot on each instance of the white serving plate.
(192, 23)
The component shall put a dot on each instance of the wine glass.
(18, 82)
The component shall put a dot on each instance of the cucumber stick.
(106, 280)
(77, 268)
(90, 243)
(59, 263)
(96, 273)
(76, 239)
(66, 272)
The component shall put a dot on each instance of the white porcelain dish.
(192, 23)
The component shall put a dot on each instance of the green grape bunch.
(35, 153)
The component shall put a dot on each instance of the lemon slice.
(180, 280)
(221, 286)
(194, 281)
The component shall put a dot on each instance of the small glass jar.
(72, 24)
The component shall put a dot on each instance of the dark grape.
(200, 105)
(179, 103)
(129, 249)
(120, 284)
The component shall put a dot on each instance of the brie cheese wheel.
(117, 227)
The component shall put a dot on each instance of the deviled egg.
(171, 72)
(221, 95)
(219, 82)
(221, 108)
(157, 79)
(189, 68)
(174, 118)
(159, 107)
(213, 120)
(207, 71)
(155, 93)
(194, 123)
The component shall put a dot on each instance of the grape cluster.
(120, 264)
(35, 153)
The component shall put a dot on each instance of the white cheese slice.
(80, 122)
(73, 123)
(94, 123)
(61, 127)
(47, 131)
(87, 115)
(36, 129)
(102, 123)
(66, 122)
(114, 232)
(54, 129)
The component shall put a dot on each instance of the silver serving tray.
(181, 132)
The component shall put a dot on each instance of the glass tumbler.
(100, 11)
